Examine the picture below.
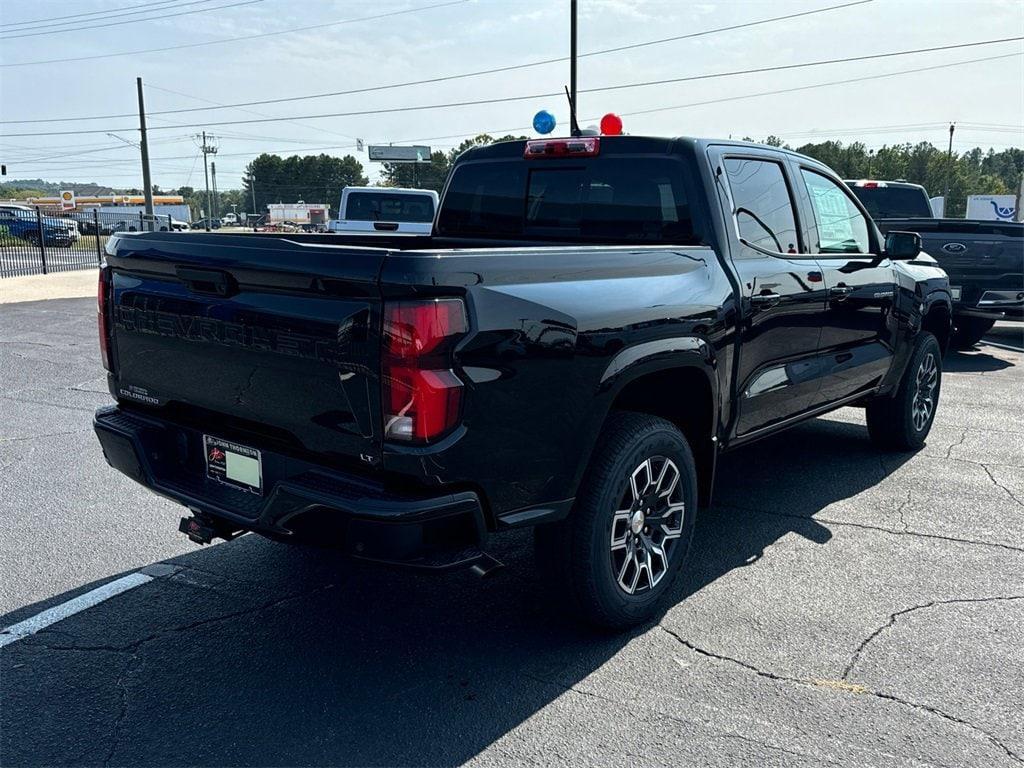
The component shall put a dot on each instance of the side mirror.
(902, 246)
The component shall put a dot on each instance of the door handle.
(840, 292)
(765, 299)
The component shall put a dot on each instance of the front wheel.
(618, 553)
(967, 331)
(902, 420)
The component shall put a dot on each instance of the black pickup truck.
(984, 259)
(591, 323)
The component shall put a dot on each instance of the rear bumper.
(302, 501)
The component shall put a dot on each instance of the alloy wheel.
(646, 525)
(924, 394)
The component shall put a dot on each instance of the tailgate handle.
(211, 281)
(385, 226)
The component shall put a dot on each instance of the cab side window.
(764, 208)
(841, 226)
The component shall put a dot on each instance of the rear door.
(858, 333)
(262, 340)
(781, 286)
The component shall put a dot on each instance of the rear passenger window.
(764, 208)
(842, 228)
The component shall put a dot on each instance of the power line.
(236, 39)
(795, 89)
(459, 76)
(133, 21)
(847, 60)
(69, 20)
(504, 99)
(89, 13)
(248, 111)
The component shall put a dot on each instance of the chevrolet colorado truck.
(591, 322)
(984, 259)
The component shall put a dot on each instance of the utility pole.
(147, 182)
(252, 190)
(949, 170)
(207, 147)
(1020, 199)
(575, 128)
(216, 197)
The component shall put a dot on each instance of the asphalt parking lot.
(843, 607)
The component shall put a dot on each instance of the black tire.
(576, 555)
(967, 331)
(898, 421)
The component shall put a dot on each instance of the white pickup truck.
(385, 210)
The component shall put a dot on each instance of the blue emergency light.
(543, 122)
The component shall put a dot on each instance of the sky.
(318, 46)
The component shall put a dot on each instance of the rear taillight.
(103, 316)
(588, 146)
(421, 395)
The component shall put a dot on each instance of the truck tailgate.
(262, 340)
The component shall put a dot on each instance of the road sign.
(384, 153)
(67, 199)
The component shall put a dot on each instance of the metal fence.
(36, 241)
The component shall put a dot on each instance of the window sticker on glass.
(841, 226)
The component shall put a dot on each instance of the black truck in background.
(984, 259)
(591, 323)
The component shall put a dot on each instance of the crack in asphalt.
(958, 443)
(858, 690)
(135, 645)
(1006, 490)
(773, 747)
(878, 528)
(88, 409)
(893, 617)
(899, 511)
(669, 716)
(38, 437)
(27, 343)
(122, 715)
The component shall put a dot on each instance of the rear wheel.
(618, 553)
(902, 421)
(967, 331)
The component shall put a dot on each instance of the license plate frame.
(235, 465)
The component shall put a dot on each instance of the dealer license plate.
(234, 464)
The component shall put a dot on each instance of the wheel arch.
(938, 321)
(676, 380)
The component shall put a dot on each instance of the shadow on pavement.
(975, 360)
(255, 653)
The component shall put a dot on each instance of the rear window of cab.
(600, 200)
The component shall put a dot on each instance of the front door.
(782, 292)
(856, 345)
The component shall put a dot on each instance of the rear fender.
(651, 358)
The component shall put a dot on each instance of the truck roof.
(883, 184)
(390, 190)
(639, 144)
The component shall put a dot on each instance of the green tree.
(312, 179)
(974, 172)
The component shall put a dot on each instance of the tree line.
(320, 178)
(975, 172)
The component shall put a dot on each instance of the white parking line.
(50, 616)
